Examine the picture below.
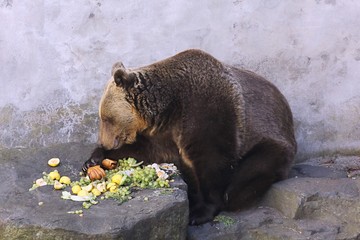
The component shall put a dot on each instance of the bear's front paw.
(203, 214)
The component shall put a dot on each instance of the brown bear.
(229, 131)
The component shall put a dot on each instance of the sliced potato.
(58, 185)
(101, 187)
(88, 188)
(40, 182)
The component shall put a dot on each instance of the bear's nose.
(102, 145)
(106, 147)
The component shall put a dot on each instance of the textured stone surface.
(163, 216)
(264, 223)
(307, 170)
(295, 195)
(318, 202)
(56, 56)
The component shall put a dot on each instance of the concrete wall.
(55, 58)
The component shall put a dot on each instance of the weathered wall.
(55, 58)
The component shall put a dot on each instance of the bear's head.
(119, 120)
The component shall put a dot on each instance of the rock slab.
(151, 214)
(319, 201)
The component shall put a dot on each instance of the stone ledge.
(163, 216)
(319, 201)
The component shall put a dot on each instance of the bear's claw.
(89, 163)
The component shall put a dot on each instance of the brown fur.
(113, 130)
(228, 130)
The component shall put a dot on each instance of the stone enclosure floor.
(320, 200)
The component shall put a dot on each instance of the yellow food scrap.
(58, 185)
(54, 175)
(116, 179)
(65, 180)
(76, 189)
(110, 185)
(83, 193)
(54, 162)
(113, 189)
(101, 187)
(88, 188)
(40, 182)
(96, 192)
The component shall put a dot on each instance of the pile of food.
(118, 183)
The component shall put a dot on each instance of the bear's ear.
(116, 66)
(121, 77)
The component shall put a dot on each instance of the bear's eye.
(107, 120)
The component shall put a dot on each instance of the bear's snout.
(110, 144)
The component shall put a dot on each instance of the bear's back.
(265, 110)
(208, 89)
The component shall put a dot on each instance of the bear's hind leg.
(257, 171)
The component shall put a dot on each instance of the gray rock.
(291, 196)
(319, 202)
(331, 200)
(323, 206)
(263, 223)
(163, 216)
(306, 170)
(350, 165)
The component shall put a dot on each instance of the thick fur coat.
(229, 131)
